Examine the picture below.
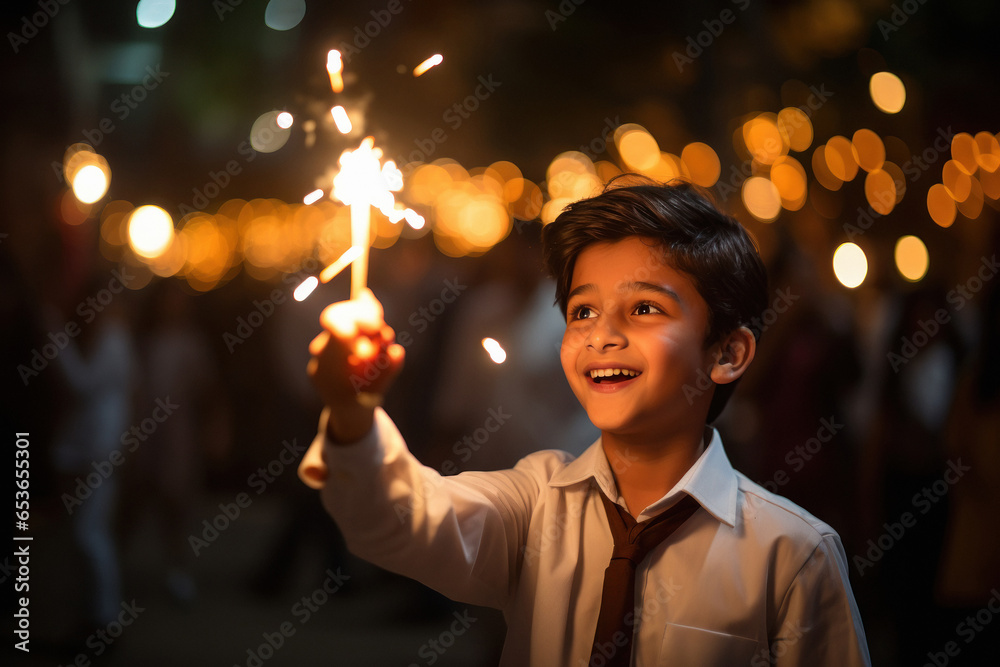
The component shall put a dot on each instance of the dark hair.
(697, 239)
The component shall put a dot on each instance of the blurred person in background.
(98, 368)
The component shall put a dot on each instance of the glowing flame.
(284, 120)
(497, 353)
(436, 59)
(335, 67)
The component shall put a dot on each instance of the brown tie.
(633, 541)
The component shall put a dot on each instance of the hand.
(355, 359)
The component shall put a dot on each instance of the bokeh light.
(90, 183)
(796, 129)
(284, 14)
(840, 159)
(940, 205)
(911, 257)
(266, 136)
(850, 265)
(868, 150)
(789, 177)
(880, 191)
(887, 91)
(702, 164)
(150, 231)
(637, 147)
(154, 13)
(761, 198)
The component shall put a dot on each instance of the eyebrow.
(631, 286)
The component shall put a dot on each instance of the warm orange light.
(850, 265)
(840, 158)
(761, 198)
(868, 150)
(150, 231)
(702, 164)
(887, 91)
(434, 60)
(497, 353)
(956, 180)
(940, 205)
(763, 139)
(335, 67)
(880, 191)
(911, 258)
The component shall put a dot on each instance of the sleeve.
(460, 535)
(818, 622)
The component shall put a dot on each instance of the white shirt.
(749, 579)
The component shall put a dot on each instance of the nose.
(606, 334)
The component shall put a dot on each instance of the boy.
(648, 549)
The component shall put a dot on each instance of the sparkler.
(334, 66)
(362, 182)
(436, 59)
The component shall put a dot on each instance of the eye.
(647, 308)
(580, 313)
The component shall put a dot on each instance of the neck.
(646, 470)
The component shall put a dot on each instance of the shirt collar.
(711, 480)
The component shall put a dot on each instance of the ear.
(733, 355)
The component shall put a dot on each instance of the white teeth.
(608, 372)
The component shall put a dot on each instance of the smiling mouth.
(611, 375)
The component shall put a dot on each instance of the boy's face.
(630, 311)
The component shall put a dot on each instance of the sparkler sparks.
(335, 67)
(436, 59)
(497, 353)
(341, 119)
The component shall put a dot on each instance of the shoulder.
(777, 521)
